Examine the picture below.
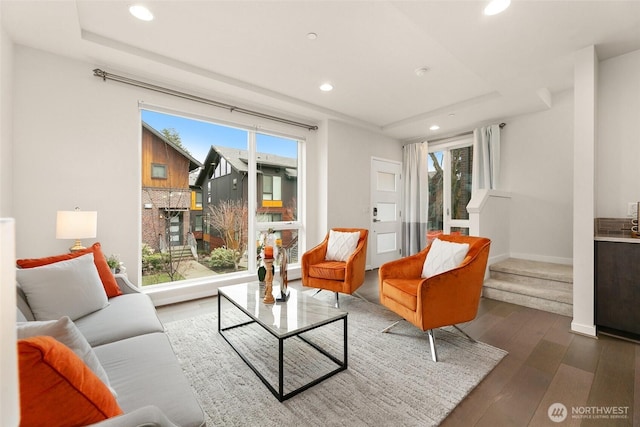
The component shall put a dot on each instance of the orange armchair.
(336, 276)
(444, 299)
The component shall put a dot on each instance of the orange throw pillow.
(57, 388)
(108, 281)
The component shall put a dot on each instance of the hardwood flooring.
(547, 364)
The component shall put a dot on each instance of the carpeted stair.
(540, 285)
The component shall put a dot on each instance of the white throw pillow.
(341, 245)
(66, 288)
(66, 332)
(443, 256)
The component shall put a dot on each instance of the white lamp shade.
(76, 224)
(9, 393)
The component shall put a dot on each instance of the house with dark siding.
(224, 176)
(166, 191)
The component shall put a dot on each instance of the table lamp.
(76, 225)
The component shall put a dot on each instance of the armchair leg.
(432, 344)
(464, 333)
(337, 301)
(388, 328)
(360, 296)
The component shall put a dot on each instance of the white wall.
(350, 150)
(77, 143)
(537, 170)
(6, 118)
(585, 124)
(618, 148)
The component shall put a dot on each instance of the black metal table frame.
(279, 394)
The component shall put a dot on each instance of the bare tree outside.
(231, 219)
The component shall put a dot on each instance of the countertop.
(619, 238)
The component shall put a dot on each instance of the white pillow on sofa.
(67, 288)
(443, 256)
(66, 332)
(341, 245)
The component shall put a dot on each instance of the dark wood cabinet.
(618, 288)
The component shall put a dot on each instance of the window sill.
(204, 287)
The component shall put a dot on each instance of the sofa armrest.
(147, 416)
(125, 285)
(313, 256)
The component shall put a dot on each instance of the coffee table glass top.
(299, 313)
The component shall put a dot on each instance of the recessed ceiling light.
(434, 127)
(496, 6)
(312, 36)
(326, 87)
(141, 12)
(421, 71)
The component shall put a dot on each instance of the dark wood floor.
(547, 364)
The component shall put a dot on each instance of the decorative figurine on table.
(265, 239)
(284, 259)
(268, 262)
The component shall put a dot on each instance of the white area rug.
(391, 379)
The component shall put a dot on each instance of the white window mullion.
(252, 204)
(446, 196)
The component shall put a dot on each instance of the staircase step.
(552, 306)
(535, 269)
(181, 252)
(540, 285)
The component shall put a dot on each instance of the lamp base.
(77, 246)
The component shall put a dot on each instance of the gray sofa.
(130, 343)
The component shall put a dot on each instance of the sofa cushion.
(402, 291)
(443, 256)
(57, 388)
(329, 270)
(106, 276)
(64, 331)
(145, 371)
(24, 311)
(126, 316)
(66, 288)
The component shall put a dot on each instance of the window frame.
(446, 147)
(154, 167)
(255, 227)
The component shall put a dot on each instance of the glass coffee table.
(243, 324)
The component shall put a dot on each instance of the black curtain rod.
(459, 135)
(232, 108)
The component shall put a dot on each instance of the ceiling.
(482, 69)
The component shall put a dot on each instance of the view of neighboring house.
(224, 176)
(167, 199)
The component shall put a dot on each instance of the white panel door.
(385, 236)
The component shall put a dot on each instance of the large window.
(243, 183)
(450, 171)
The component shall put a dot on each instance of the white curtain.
(486, 157)
(415, 197)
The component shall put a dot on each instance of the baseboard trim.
(588, 330)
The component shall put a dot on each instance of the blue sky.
(197, 136)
